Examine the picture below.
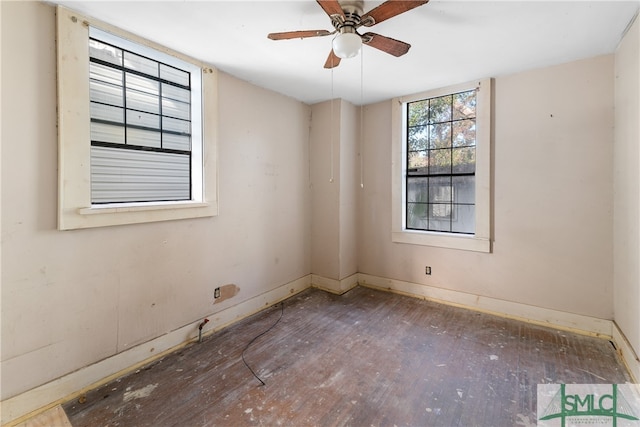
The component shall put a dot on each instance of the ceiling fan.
(346, 17)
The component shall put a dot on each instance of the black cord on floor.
(255, 338)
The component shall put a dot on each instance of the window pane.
(145, 138)
(464, 160)
(417, 138)
(142, 84)
(105, 74)
(105, 52)
(176, 93)
(417, 190)
(440, 109)
(440, 217)
(440, 189)
(174, 75)
(418, 113)
(141, 64)
(138, 118)
(464, 133)
(418, 160)
(440, 212)
(417, 207)
(107, 133)
(176, 125)
(107, 112)
(143, 101)
(175, 109)
(464, 219)
(464, 105)
(440, 161)
(105, 93)
(464, 189)
(176, 142)
(440, 135)
(417, 217)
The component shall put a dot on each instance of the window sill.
(443, 240)
(109, 215)
(135, 207)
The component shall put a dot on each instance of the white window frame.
(480, 241)
(75, 210)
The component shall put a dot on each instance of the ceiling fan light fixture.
(347, 45)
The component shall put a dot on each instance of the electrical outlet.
(427, 270)
(216, 293)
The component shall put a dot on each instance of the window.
(440, 146)
(137, 129)
(441, 167)
(141, 127)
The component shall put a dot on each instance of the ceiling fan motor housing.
(353, 10)
(350, 7)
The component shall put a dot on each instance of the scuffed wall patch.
(226, 292)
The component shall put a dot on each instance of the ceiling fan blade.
(331, 7)
(298, 34)
(386, 44)
(389, 9)
(332, 60)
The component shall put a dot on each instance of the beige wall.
(552, 210)
(324, 143)
(335, 180)
(627, 187)
(70, 299)
(349, 188)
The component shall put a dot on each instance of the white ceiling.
(452, 41)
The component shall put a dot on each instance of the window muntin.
(440, 163)
(141, 135)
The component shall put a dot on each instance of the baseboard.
(626, 352)
(532, 314)
(42, 398)
(334, 286)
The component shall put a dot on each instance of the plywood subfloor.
(364, 358)
(54, 417)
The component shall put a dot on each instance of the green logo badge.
(616, 405)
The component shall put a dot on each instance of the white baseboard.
(18, 408)
(532, 314)
(626, 352)
(334, 286)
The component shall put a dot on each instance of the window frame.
(75, 210)
(480, 241)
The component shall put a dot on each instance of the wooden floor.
(364, 358)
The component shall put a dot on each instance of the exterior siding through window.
(140, 127)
